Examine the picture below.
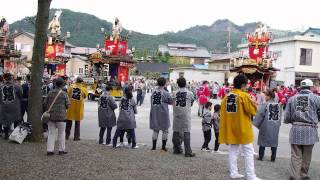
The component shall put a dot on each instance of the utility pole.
(229, 40)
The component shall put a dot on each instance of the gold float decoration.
(249, 70)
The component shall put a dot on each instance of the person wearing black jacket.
(25, 96)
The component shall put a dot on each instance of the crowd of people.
(242, 107)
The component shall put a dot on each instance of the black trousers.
(215, 96)
(273, 152)
(178, 138)
(6, 129)
(24, 108)
(216, 142)
(128, 136)
(76, 129)
(131, 135)
(207, 138)
(108, 137)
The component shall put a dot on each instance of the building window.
(80, 70)
(86, 70)
(181, 74)
(25, 48)
(224, 67)
(306, 57)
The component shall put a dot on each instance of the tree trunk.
(35, 97)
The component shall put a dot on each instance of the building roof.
(152, 67)
(83, 50)
(314, 30)
(31, 35)
(197, 52)
(223, 57)
(289, 39)
(192, 68)
(180, 45)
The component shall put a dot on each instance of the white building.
(297, 57)
(185, 53)
(79, 64)
(197, 75)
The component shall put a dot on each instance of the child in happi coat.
(268, 121)
(159, 113)
(126, 120)
(216, 124)
(206, 126)
(106, 115)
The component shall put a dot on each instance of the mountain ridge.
(85, 29)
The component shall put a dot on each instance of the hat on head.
(306, 83)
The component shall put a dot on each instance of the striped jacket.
(303, 112)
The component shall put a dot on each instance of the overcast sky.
(158, 16)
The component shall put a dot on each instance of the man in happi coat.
(10, 103)
(77, 94)
(182, 101)
(236, 130)
(303, 112)
(159, 114)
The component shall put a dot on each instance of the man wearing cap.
(77, 93)
(303, 112)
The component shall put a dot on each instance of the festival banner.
(54, 50)
(50, 51)
(10, 67)
(61, 69)
(123, 73)
(123, 46)
(115, 48)
(60, 48)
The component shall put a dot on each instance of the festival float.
(113, 62)
(258, 64)
(8, 52)
(55, 50)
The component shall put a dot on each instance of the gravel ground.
(87, 160)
